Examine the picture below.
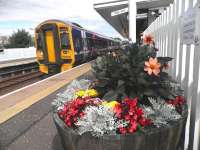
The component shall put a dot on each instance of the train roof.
(77, 26)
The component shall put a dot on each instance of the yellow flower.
(110, 104)
(80, 93)
(91, 93)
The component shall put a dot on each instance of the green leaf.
(149, 92)
(111, 95)
(164, 59)
(164, 93)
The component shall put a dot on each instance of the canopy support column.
(132, 20)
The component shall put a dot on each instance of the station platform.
(26, 121)
(17, 62)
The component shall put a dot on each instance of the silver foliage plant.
(69, 93)
(161, 112)
(99, 120)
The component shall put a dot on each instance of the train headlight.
(64, 54)
(64, 51)
(40, 55)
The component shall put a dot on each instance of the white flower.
(160, 112)
(98, 120)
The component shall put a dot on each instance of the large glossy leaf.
(110, 95)
(164, 59)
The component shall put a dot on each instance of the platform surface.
(17, 62)
(26, 115)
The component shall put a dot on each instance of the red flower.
(74, 109)
(177, 103)
(179, 100)
(133, 127)
(148, 122)
(142, 122)
(75, 119)
(122, 130)
(166, 66)
(127, 117)
(129, 111)
(131, 102)
(68, 122)
(134, 117)
(81, 114)
(118, 110)
(148, 39)
(139, 112)
(131, 130)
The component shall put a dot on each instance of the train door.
(78, 44)
(67, 49)
(50, 46)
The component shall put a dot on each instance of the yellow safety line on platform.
(24, 104)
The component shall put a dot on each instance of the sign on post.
(189, 26)
(118, 12)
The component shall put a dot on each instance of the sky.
(27, 14)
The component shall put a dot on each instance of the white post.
(132, 20)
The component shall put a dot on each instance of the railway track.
(12, 78)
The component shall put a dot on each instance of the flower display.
(100, 117)
(131, 92)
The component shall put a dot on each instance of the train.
(60, 45)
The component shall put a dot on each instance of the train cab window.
(39, 41)
(64, 41)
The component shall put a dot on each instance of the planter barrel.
(169, 137)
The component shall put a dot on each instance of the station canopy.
(115, 12)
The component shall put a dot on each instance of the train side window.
(64, 41)
(78, 44)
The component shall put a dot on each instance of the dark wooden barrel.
(170, 137)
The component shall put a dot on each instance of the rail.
(19, 78)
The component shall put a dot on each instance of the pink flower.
(152, 66)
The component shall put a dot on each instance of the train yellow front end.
(54, 46)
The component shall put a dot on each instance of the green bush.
(20, 39)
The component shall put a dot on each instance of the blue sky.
(27, 14)
(13, 24)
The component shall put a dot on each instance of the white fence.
(170, 39)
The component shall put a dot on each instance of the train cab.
(54, 47)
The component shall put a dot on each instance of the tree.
(20, 39)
